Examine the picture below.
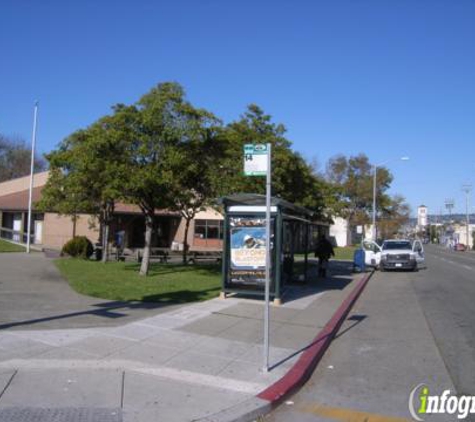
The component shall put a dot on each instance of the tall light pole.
(449, 204)
(375, 172)
(32, 169)
(467, 189)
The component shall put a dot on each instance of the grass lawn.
(10, 247)
(121, 281)
(345, 252)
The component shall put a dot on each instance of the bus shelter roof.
(252, 199)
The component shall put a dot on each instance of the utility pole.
(467, 189)
(375, 170)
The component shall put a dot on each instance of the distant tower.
(422, 216)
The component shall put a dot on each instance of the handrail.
(15, 235)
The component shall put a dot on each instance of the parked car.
(460, 247)
(397, 254)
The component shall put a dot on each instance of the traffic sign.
(255, 159)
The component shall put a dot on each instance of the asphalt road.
(446, 293)
(406, 329)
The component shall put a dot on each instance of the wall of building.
(460, 234)
(338, 231)
(194, 243)
(58, 229)
(422, 217)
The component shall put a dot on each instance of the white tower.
(422, 216)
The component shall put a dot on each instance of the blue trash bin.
(359, 261)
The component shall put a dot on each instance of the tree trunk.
(148, 241)
(74, 218)
(349, 240)
(105, 243)
(107, 213)
(185, 241)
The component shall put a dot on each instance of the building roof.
(18, 201)
(23, 183)
(121, 208)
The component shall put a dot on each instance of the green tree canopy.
(293, 178)
(87, 172)
(352, 178)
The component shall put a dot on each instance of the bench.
(155, 253)
(125, 254)
(197, 256)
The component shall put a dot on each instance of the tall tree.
(393, 216)
(156, 126)
(353, 180)
(293, 179)
(196, 167)
(87, 175)
(15, 159)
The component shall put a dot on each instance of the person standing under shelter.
(323, 251)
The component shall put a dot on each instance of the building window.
(208, 229)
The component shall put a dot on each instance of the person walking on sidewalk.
(323, 251)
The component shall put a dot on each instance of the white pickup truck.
(397, 254)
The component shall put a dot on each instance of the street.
(407, 328)
(446, 292)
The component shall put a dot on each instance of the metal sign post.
(268, 261)
(257, 162)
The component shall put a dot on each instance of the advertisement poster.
(248, 247)
(248, 251)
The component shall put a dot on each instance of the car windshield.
(397, 245)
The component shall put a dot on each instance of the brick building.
(50, 230)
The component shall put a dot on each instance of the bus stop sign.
(255, 159)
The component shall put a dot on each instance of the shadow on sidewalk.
(339, 276)
(118, 309)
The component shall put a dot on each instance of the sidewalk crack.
(8, 384)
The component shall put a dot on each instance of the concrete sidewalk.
(181, 365)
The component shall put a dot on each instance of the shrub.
(78, 247)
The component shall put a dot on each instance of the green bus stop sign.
(255, 159)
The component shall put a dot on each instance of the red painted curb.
(303, 368)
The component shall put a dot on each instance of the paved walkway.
(33, 295)
(180, 365)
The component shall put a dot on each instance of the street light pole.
(374, 201)
(467, 189)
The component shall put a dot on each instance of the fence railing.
(15, 236)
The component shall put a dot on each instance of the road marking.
(347, 415)
(467, 267)
(463, 255)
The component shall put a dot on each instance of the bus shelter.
(293, 235)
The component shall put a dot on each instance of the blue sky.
(387, 78)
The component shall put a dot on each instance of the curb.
(296, 377)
